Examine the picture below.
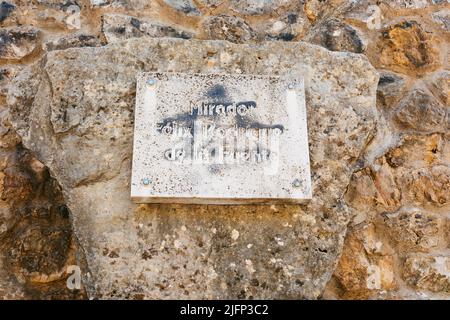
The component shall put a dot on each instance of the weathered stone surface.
(422, 111)
(186, 6)
(211, 3)
(6, 9)
(409, 4)
(438, 83)
(372, 269)
(36, 239)
(173, 251)
(117, 27)
(338, 36)
(287, 27)
(315, 10)
(427, 185)
(391, 88)
(407, 48)
(73, 19)
(17, 43)
(414, 230)
(127, 4)
(413, 173)
(48, 14)
(7, 73)
(428, 272)
(74, 40)
(443, 18)
(256, 7)
(365, 12)
(374, 187)
(231, 28)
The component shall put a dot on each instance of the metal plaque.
(220, 139)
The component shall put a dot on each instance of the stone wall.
(398, 241)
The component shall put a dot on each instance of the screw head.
(146, 181)
(151, 82)
(296, 183)
(291, 86)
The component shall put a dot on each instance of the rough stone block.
(74, 110)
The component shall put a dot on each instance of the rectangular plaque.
(220, 139)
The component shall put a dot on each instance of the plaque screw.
(151, 82)
(146, 181)
(296, 183)
(291, 86)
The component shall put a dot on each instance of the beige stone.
(295, 250)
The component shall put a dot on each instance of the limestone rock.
(438, 83)
(117, 27)
(338, 36)
(413, 173)
(186, 6)
(374, 188)
(422, 111)
(76, 108)
(287, 27)
(414, 230)
(409, 4)
(73, 19)
(75, 40)
(211, 3)
(231, 28)
(256, 7)
(365, 12)
(6, 9)
(391, 89)
(427, 185)
(36, 239)
(443, 18)
(406, 47)
(315, 10)
(7, 73)
(18, 43)
(366, 265)
(428, 272)
(126, 4)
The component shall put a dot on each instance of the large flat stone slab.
(220, 139)
(74, 109)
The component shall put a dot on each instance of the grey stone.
(7, 73)
(210, 3)
(408, 4)
(74, 110)
(185, 6)
(231, 28)
(127, 4)
(100, 3)
(414, 230)
(6, 9)
(336, 35)
(117, 27)
(74, 40)
(429, 272)
(287, 28)
(443, 19)
(391, 88)
(230, 139)
(257, 7)
(365, 12)
(438, 83)
(421, 111)
(17, 43)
